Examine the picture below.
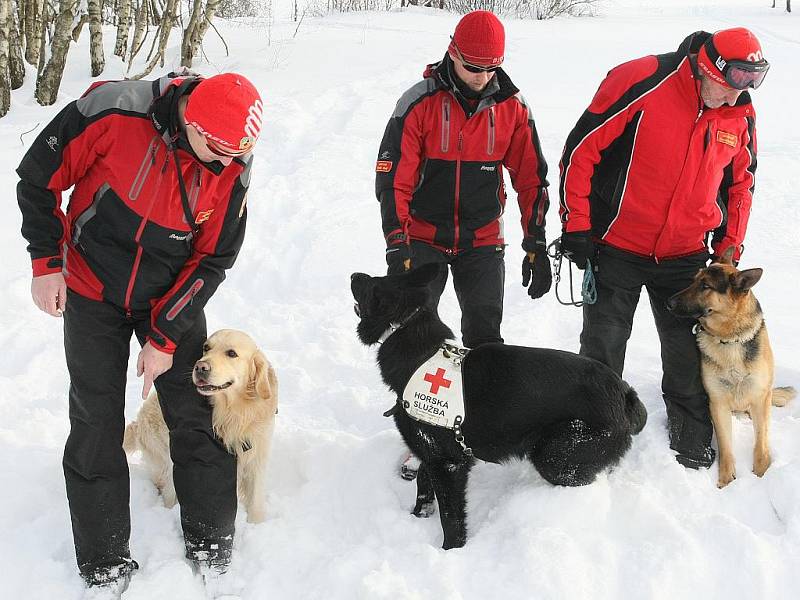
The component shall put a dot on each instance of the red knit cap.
(480, 39)
(227, 109)
(731, 44)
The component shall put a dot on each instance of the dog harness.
(435, 394)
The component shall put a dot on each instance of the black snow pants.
(607, 327)
(478, 278)
(97, 344)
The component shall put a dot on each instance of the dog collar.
(740, 340)
(395, 326)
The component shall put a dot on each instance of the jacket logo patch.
(180, 238)
(729, 139)
(488, 168)
(383, 166)
(203, 216)
(52, 141)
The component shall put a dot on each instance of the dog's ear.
(746, 279)
(259, 375)
(727, 256)
(422, 276)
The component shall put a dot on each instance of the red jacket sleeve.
(528, 170)
(612, 108)
(736, 194)
(59, 157)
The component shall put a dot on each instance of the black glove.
(578, 247)
(536, 271)
(398, 257)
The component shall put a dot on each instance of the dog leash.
(588, 285)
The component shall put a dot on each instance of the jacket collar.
(500, 87)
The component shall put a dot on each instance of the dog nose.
(202, 368)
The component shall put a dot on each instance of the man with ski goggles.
(657, 174)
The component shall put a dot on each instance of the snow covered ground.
(339, 523)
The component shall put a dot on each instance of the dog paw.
(760, 465)
(725, 479)
(424, 510)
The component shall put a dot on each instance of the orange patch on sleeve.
(727, 138)
(383, 166)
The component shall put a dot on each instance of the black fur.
(571, 416)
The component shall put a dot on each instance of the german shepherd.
(571, 416)
(737, 364)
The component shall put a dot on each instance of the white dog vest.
(434, 394)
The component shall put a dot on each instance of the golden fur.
(737, 363)
(243, 390)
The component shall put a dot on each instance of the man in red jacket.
(661, 165)
(160, 171)
(440, 177)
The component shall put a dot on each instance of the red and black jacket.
(440, 165)
(650, 170)
(125, 236)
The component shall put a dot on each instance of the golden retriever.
(242, 388)
(737, 363)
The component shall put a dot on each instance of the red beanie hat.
(730, 44)
(228, 110)
(480, 39)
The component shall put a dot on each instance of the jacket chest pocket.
(145, 168)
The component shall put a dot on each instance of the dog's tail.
(635, 410)
(781, 396)
(130, 442)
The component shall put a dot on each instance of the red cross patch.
(437, 380)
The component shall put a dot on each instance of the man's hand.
(49, 293)
(151, 363)
(536, 271)
(398, 257)
(578, 247)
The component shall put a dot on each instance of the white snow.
(339, 523)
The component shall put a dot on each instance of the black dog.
(569, 415)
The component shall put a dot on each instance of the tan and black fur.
(737, 364)
(242, 388)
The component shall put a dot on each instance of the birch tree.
(16, 64)
(194, 32)
(123, 24)
(49, 79)
(96, 38)
(5, 78)
(33, 30)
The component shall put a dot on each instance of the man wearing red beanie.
(660, 166)
(160, 171)
(440, 178)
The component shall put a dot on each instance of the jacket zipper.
(137, 238)
(144, 170)
(445, 141)
(458, 191)
(490, 143)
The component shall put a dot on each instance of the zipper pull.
(699, 114)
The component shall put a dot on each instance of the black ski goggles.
(472, 68)
(739, 74)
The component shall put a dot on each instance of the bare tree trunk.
(187, 45)
(139, 30)
(123, 24)
(16, 63)
(78, 28)
(198, 26)
(167, 20)
(5, 79)
(49, 80)
(33, 30)
(96, 37)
